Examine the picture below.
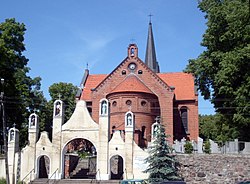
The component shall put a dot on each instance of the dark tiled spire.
(150, 58)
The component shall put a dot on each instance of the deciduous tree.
(222, 70)
(22, 93)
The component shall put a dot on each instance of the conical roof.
(132, 84)
(150, 58)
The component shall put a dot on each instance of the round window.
(143, 103)
(128, 102)
(114, 103)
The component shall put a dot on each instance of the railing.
(126, 174)
(27, 176)
(52, 175)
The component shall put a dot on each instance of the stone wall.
(214, 168)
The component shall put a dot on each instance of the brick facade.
(132, 86)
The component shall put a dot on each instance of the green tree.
(214, 127)
(222, 70)
(22, 93)
(161, 162)
(66, 92)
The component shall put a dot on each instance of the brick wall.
(214, 168)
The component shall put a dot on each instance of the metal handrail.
(52, 175)
(27, 175)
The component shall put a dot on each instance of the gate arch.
(43, 166)
(79, 159)
(116, 167)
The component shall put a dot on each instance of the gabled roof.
(132, 84)
(91, 83)
(183, 83)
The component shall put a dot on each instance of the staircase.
(82, 170)
(74, 181)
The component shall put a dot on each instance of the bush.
(2, 181)
(207, 147)
(188, 148)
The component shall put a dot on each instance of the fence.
(229, 147)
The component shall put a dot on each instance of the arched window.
(104, 108)
(184, 118)
(129, 119)
(143, 130)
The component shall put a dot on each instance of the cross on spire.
(150, 15)
(59, 96)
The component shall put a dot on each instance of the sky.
(63, 36)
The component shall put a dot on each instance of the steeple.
(150, 58)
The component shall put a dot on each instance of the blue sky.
(63, 36)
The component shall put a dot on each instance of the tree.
(213, 127)
(162, 163)
(22, 93)
(66, 92)
(222, 70)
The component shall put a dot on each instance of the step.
(74, 181)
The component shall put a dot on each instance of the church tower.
(150, 58)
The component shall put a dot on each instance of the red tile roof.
(92, 82)
(183, 83)
(132, 84)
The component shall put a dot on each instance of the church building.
(109, 133)
(139, 88)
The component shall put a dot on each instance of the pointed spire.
(150, 58)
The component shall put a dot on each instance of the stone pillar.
(13, 148)
(129, 141)
(33, 137)
(58, 119)
(33, 129)
(103, 151)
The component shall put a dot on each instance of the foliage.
(222, 70)
(2, 181)
(22, 93)
(66, 92)
(188, 147)
(207, 147)
(83, 154)
(214, 127)
(161, 162)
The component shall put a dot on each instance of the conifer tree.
(161, 162)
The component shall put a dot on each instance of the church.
(112, 127)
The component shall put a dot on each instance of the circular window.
(128, 102)
(132, 66)
(143, 103)
(114, 103)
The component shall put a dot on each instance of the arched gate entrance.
(116, 167)
(43, 166)
(80, 159)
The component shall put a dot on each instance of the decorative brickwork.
(133, 86)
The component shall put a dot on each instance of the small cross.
(87, 65)
(150, 15)
(59, 95)
(14, 125)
